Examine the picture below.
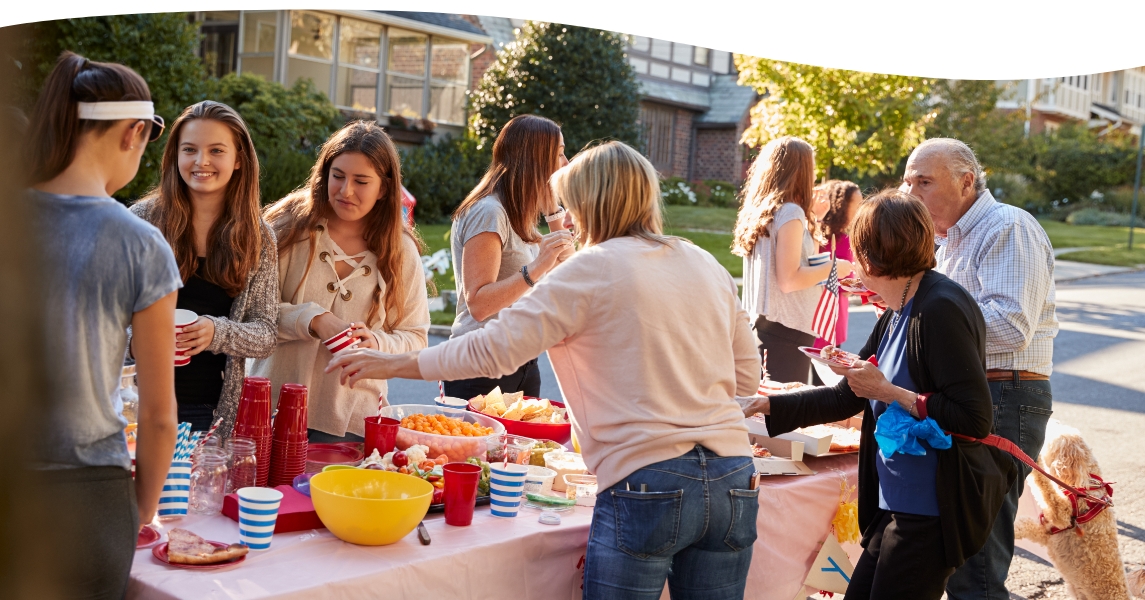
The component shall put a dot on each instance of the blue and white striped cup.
(258, 512)
(176, 490)
(506, 488)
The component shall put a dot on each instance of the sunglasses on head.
(157, 127)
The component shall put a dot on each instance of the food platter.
(842, 358)
(854, 285)
(160, 554)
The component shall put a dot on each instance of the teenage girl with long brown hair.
(498, 254)
(773, 236)
(102, 270)
(346, 260)
(207, 206)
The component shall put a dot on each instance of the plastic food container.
(538, 431)
(455, 448)
(539, 480)
(564, 463)
(581, 488)
(320, 456)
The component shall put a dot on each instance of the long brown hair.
(56, 126)
(525, 155)
(295, 218)
(841, 195)
(235, 240)
(783, 172)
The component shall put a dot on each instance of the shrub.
(721, 194)
(1096, 216)
(1072, 163)
(578, 77)
(675, 190)
(441, 173)
(288, 125)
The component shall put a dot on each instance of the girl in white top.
(772, 235)
(346, 260)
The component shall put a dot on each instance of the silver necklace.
(902, 304)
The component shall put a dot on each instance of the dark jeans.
(526, 379)
(693, 526)
(785, 363)
(99, 527)
(1020, 414)
(904, 560)
(200, 416)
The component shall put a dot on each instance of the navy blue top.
(906, 482)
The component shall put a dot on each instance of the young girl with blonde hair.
(346, 261)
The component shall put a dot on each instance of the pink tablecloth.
(493, 558)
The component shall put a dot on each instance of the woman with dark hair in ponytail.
(346, 262)
(207, 206)
(104, 270)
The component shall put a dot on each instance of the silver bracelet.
(560, 214)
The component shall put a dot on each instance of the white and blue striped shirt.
(1003, 257)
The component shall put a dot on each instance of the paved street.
(1098, 385)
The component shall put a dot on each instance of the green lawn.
(1109, 245)
(699, 217)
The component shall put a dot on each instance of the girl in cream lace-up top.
(346, 260)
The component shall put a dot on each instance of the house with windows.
(408, 70)
(1103, 100)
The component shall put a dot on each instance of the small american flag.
(827, 311)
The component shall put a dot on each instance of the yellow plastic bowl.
(367, 507)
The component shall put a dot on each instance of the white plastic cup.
(450, 402)
(176, 493)
(183, 318)
(258, 513)
(818, 259)
(539, 480)
(506, 488)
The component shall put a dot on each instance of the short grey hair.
(959, 158)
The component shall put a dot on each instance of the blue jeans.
(693, 526)
(1020, 415)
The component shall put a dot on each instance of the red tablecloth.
(493, 558)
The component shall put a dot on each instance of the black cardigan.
(946, 356)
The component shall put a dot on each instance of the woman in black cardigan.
(921, 515)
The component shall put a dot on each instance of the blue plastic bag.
(897, 431)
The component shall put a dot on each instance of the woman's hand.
(365, 337)
(866, 380)
(196, 336)
(363, 363)
(552, 246)
(844, 267)
(326, 325)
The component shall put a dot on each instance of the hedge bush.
(441, 173)
(1096, 216)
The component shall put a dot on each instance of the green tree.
(288, 125)
(864, 123)
(161, 47)
(577, 77)
(1073, 162)
(967, 110)
(440, 174)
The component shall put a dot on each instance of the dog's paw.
(1137, 583)
(1027, 529)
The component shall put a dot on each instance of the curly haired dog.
(1087, 554)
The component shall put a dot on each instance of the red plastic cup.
(290, 424)
(382, 434)
(460, 494)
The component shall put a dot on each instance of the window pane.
(263, 66)
(721, 61)
(218, 48)
(662, 49)
(447, 103)
(407, 52)
(312, 34)
(700, 56)
(450, 61)
(405, 96)
(360, 42)
(319, 73)
(641, 43)
(357, 89)
(682, 54)
(228, 16)
(258, 31)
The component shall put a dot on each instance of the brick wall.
(681, 161)
(718, 155)
(479, 65)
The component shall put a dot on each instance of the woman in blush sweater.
(661, 431)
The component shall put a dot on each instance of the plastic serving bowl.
(456, 448)
(560, 434)
(369, 508)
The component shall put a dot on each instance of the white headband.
(114, 111)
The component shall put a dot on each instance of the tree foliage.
(578, 77)
(967, 110)
(859, 122)
(440, 174)
(1073, 162)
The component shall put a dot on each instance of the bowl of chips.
(535, 418)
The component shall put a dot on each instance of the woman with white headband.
(104, 269)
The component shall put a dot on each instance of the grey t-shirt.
(485, 215)
(101, 265)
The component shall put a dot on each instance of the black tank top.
(201, 381)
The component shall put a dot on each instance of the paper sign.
(831, 571)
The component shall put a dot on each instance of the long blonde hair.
(783, 172)
(612, 191)
(295, 218)
(235, 240)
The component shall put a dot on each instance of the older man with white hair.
(1003, 257)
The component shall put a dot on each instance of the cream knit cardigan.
(300, 358)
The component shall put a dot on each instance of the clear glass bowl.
(455, 448)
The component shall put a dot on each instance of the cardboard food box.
(813, 445)
(786, 457)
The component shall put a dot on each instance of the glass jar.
(243, 468)
(208, 481)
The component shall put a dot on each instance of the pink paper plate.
(160, 554)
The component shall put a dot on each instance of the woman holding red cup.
(349, 273)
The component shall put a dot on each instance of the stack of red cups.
(253, 421)
(288, 449)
